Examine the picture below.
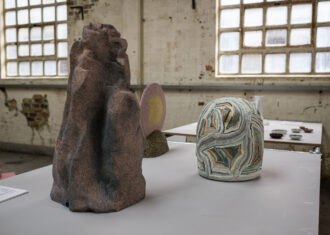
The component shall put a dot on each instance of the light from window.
(272, 37)
(36, 38)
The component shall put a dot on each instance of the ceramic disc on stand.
(153, 108)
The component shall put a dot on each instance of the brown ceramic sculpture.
(99, 150)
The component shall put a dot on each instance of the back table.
(309, 139)
(284, 200)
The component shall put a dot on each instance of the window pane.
(275, 63)
(48, 32)
(22, 3)
(229, 64)
(23, 34)
(12, 68)
(229, 2)
(251, 63)
(48, 1)
(49, 49)
(24, 68)
(10, 18)
(23, 17)
(36, 50)
(323, 10)
(322, 62)
(62, 49)
(49, 14)
(253, 17)
(11, 52)
(229, 41)
(23, 50)
(65, 0)
(35, 2)
(276, 38)
(62, 31)
(61, 12)
(230, 18)
(323, 37)
(300, 37)
(37, 68)
(300, 62)
(11, 35)
(50, 67)
(252, 1)
(35, 15)
(253, 38)
(10, 4)
(35, 34)
(63, 67)
(276, 16)
(301, 14)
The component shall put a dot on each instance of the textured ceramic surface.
(155, 144)
(98, 155)
(295, 136)
(153, 108)
(295, 130)
(280, 131)
(230, 141)
(276, 135)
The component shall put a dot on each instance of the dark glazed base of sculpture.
(156, 145)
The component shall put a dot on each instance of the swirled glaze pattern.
(230, 139)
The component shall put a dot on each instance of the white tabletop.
(284, 200)
(313, 138)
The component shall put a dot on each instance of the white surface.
(186, 130)
(7, 193)
(313, 138)
(284, 200)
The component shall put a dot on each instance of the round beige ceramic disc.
(153, 108)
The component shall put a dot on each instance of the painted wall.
(169, 43)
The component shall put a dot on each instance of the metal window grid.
(263, 49)
(39, 58)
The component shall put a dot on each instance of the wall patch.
(36, 111)
(10, 104)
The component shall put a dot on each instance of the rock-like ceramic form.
(230, 139)
(156, 144)
(99, 150)
(153, 108)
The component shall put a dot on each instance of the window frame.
(32, 78)
(263, 50)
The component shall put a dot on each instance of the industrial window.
(35, 38)
(267, 37)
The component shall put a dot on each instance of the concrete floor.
(21, 163)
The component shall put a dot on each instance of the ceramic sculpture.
(99, 150)
(153, 111)
(230, 138)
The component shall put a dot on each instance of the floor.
(21, 163)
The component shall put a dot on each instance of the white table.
(313, 139)
(284, 200)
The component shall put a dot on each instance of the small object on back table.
(276, 135)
